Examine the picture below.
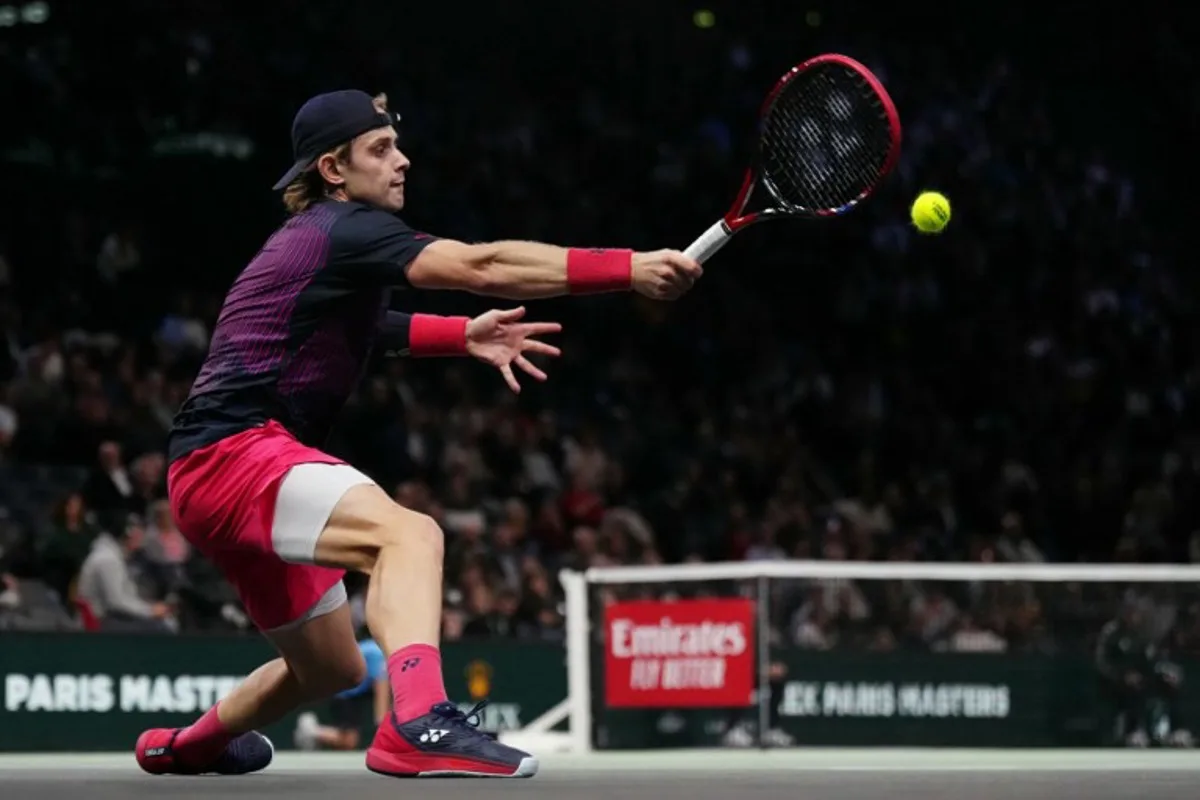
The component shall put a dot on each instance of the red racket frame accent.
(734, 222)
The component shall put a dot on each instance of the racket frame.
(734, 220)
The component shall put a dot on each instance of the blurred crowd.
(1022, 388)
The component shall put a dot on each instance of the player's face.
(377, 170)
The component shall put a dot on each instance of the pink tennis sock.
(202, 742)
(415, 673)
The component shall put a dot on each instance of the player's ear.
(330, 169)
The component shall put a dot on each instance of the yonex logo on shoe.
(432, 736)
(409, 663)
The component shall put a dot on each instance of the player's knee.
(366, 522)
(338, 672)
(345, 677)
(424, 534)
(417, 536)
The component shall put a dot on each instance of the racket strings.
(825, 139)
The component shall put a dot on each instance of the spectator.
(8, 424)
(110, 487)
(970, 637)
(29, 605)
(61, 552)
(108, 585)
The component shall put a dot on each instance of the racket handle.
(709, 242)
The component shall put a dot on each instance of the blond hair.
(309, 187)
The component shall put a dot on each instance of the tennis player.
(251, 489)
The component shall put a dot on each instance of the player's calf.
(402, 551)
(320, 659)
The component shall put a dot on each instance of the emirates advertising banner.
(680, 654)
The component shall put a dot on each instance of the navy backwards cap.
(329, 120)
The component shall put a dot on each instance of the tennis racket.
(828, 136)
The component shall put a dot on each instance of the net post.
(579, 684)
(764, 659)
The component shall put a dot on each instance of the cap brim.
(292, 174)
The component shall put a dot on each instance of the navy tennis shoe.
(446, 742)
(248, 753)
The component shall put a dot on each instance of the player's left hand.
(499, 339)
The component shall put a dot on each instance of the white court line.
(931, 760)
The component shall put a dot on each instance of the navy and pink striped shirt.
(299, 324)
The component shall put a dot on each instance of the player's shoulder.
(357, 221)
(360, 212)
(355, 208)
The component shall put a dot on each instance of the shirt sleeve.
(373, 247)
(394, 334)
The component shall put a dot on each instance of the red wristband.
(594, 271)
(430, 335)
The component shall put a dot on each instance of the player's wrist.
(599, 270)
(430, 336)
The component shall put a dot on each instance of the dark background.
(1020, 388)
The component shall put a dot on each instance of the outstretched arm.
(370, 246)
(497, 338)
(528, 270)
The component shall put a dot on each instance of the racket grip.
(709, 242)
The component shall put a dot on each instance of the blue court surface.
(696, 775)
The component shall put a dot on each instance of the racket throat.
(709, 242)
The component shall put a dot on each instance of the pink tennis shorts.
(226, 501)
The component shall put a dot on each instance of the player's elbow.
(448, 264)
(487, 276)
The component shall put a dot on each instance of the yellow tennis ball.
(930, 212)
